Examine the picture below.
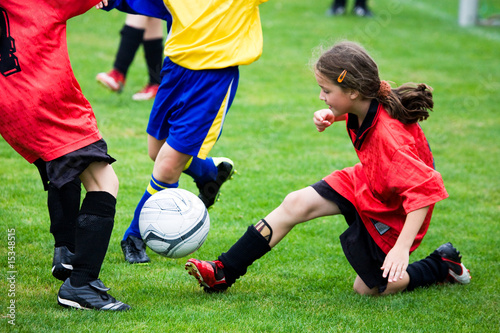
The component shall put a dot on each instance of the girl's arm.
(397, 259)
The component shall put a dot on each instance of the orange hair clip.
(342, 76)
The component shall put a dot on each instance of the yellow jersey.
(210, 34)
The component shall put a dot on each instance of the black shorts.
(68, 167)
(360, 249)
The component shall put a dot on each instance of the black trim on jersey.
(358, 135)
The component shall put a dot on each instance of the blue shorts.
(190, 107)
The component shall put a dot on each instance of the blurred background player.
(137, 30)
(360, 8)
(47, 120)
(206, 43)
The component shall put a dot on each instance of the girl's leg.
(444, 264)
(297, 207)
(392, 288)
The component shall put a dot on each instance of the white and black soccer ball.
(174, 223)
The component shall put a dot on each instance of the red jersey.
(43, 113)
(395, 176)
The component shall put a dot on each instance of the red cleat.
(209, 274)
(113, 80)
(148, 92)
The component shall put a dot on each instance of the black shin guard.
(153, 52)
(93, 231)
(64, 205)
(250, 247)
(131, 39)
(427, 272)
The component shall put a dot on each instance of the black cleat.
(61, 263)
(209, 191)
(134, 250)
(362, 11)
(457, 273)
(91, 296)
(335, 10)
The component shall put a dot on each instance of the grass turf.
(305, 283)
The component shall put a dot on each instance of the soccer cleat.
(61, 263)
(362, 11)
(210, 274)
(148, 92)
(134, 250)
(91, 296)
(336, 11)
(457, 273)
(209, 191)
(114, 80)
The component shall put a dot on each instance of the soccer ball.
(174, 223)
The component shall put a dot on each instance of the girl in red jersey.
(47, 120)
(387, 198)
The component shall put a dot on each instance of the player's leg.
(444, 264)
(95, 222)
(93, 231)
(131, 38)
(337, 7)
(297, 207)
(153, 53)
(167, 169)
(361, 9)
(210, 173)
(63, 204)
(392, 288)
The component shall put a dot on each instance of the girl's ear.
(353, 94)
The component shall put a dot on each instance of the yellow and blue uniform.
(206, 42)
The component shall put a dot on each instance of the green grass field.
(305, 283)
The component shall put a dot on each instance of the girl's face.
(338, 101)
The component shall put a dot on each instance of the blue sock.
(202, 171)
(154, 186)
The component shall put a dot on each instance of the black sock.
(93, 231)
(131, 39)
(427, 271)
(250, 247)
(360, 3)
(64, 205)
(338, 3)
(153, 52)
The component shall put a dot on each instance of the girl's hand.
(102, 4)
(395, 264)
(323, 119)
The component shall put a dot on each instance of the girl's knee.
(361, 288)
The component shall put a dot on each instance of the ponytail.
(409, 103)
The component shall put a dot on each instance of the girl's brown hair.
(348, 65)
